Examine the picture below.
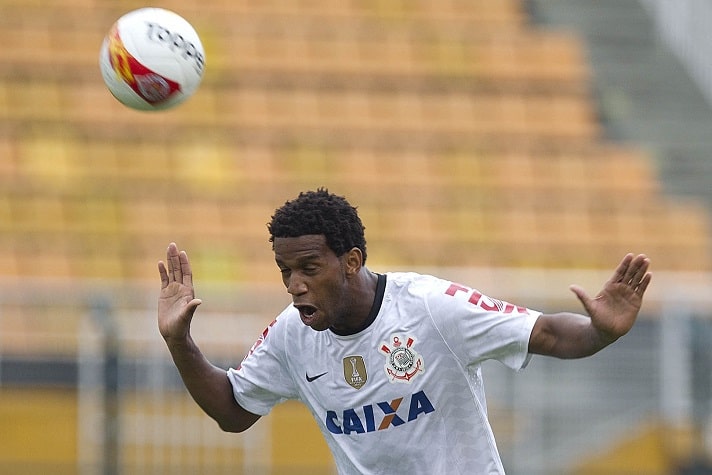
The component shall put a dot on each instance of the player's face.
(316, 279)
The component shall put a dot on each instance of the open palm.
(614, 309)
(177, 302)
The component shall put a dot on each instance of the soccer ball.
(152, 59)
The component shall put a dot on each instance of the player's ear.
(353, 261)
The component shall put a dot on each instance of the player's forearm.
(567, 335)
(208, 385)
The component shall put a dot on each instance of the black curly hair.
(320, 212)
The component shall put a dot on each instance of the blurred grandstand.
(516, 146)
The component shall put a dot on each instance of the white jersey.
(405, 395)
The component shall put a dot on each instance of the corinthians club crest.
(402, 361)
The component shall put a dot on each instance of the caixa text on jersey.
(378, 416)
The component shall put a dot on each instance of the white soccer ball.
(152, 59)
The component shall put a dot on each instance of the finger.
(169, 263)
(173, 258)
(169, 267)
(580, 294)
(619, 275)
(644, 282)
(192, 306)
(162, 271)
(631, 270)
(185, 268)
(638, 269)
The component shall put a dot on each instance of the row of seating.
(481, 12)
(220, 165)
(82, 216)
(89, 105)
(85, 237)
(528, 59)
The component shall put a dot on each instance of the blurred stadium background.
(517, 146)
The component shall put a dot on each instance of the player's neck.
(369, 298)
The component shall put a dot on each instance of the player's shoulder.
(289, 320)
(416, 284)
(284, 336)
(286, 325)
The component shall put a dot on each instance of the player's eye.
(311, 270)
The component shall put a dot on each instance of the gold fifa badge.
(355, 371)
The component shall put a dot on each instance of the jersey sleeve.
(477, 327)
(262, 380)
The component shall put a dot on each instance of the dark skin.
(329, 291)
(337, 292)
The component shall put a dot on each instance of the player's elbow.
(238, 421)
(232, 427)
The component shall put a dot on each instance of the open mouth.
(306, 310)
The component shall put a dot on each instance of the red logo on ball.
(149, 85)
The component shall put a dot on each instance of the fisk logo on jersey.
(484, 302)
(379, 416)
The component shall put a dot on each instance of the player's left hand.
(614, 310)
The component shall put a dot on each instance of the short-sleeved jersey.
(405, 395)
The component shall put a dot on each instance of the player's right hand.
(177, 302)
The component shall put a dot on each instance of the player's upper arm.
(563, 335)
(542, 340)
